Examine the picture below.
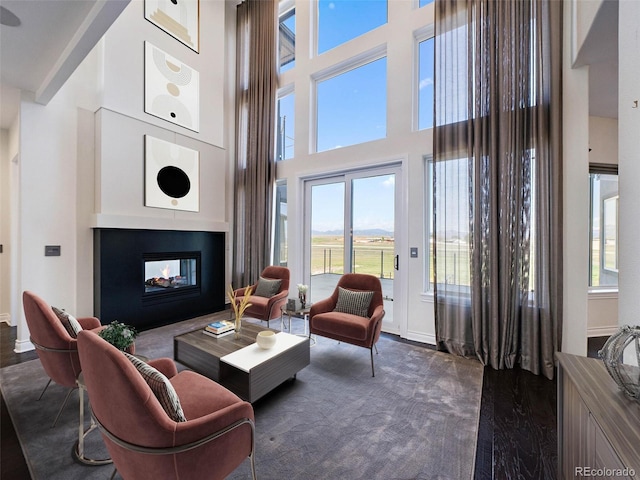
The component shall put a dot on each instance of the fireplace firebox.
(167, 273)
(149, 278)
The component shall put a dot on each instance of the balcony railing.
(374, 261)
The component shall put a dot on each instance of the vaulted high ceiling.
(51, 40)
(54, 36)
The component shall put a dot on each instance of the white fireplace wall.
(119, 192)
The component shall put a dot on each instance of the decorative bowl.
(266, 339)
(622, 362)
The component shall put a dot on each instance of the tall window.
(425, 83)
(286, 123)
(287, 40)
(603, 231)
(280, 245)
(352, 106)
(342, 20)
(425, 2)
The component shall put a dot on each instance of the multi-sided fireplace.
(166, 273)
(148, 278)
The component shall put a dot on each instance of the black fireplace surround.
(121, 288)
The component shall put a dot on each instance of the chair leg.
(376, 347)
(63, 404)
(45, 389)
(252, 458)
(373, 373)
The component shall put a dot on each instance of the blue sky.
(372, 204)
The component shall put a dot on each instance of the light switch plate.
(52, 250)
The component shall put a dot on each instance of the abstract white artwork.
(179, 18)
(172, 176)
(171, 89)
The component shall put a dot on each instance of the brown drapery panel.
(256, 73)
(497, 180)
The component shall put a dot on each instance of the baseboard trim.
(422, 337)
(22, 346)
(601, 331)
(6, 318)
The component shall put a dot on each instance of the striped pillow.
(354, 302)
(161, 388)
(69, 322)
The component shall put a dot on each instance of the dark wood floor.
(516, 438)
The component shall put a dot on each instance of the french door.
(351, 228)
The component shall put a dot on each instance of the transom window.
(352, 106)
(425, 82)
(342, 20)
(286, 124)
(287, 40)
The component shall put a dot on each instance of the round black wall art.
(173, 182)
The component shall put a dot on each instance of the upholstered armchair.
(205, 432)
(352, 314)
(56, 348)
(265, 299)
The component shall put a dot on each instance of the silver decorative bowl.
(620, 345)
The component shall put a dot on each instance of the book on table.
(219, 327)
(218, 335)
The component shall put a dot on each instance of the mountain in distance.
(370, 232)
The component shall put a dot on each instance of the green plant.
(119, 335)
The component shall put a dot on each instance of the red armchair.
(360, 330)
(143, 440)
(267, 308)
(56, 348)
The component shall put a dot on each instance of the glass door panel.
(327, 239)
(351, 228)
(372, 243)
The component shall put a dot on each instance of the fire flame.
(166, 271)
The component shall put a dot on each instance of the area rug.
(416, 419)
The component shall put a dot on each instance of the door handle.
(396, 263)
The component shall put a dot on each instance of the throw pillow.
(69, 322)
(353, 302)
(267, 287)
(161, 388)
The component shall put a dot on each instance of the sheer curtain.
(256, 73)
(497, 181)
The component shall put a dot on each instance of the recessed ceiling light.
(8, 18)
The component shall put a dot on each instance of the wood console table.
(598, 425)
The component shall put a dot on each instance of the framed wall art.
(171, 89)
(171, 175)
(179, 18)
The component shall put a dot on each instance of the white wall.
(602, 306)
(582, 20)
(9, 155)
(123, 87)
(48, 177)
(120, 162)
(5, 226)
(575, 118)
(81, 158)
(629, 160)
